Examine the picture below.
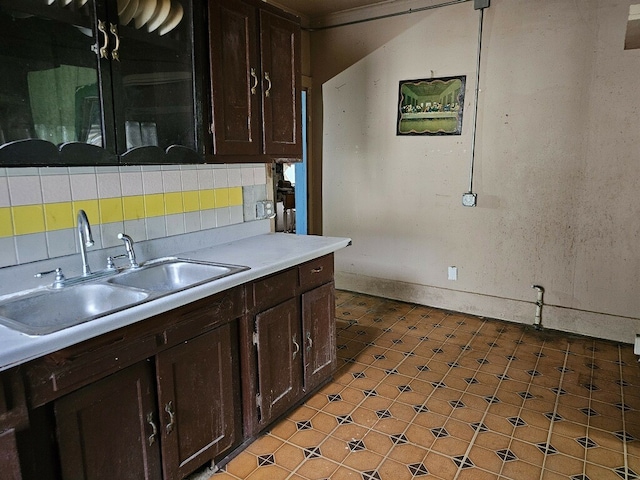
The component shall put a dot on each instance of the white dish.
(145, 12)
(82, 2)
(122, 6)
(172, 21)
(130, 11)
(159, 15)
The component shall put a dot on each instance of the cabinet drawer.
(274, 289)
(71, 368)
(203, 315)
(316, 272)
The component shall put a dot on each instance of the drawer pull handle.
(152, 437)
(172, 416)
(296, 345)
(255, 81)
(317, 270)
(104, 50)
(310, 342)
(268, 79)
(116, 50)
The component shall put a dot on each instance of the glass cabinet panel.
(153, 79)
(49, 72)
(97, 80)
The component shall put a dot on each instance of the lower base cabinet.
(131, 425)
(161, 398)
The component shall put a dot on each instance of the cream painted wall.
(558, 149)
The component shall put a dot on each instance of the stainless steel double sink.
(48, 310)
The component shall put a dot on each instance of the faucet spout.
(128, 245)
(85, 239)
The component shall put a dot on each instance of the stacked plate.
(64, 3)
(158, 15)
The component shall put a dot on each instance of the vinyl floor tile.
(427, 393)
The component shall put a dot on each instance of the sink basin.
(52, 310)
(174, 274)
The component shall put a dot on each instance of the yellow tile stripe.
(26, 219)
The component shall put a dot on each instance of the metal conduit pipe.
(537, 322)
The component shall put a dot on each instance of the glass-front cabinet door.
(96, 82)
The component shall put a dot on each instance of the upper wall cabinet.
(255, 82)
(76, 75)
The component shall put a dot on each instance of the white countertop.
(264, 254)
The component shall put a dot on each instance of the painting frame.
(431, 106)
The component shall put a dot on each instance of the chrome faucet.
(86, 240)
(128, 245)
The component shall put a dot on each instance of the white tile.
(61, 242)
(8, 252)
(152, 181)
(208, 218)
(4, 192)
(205, 179)
(260, 175)
(223, 217)
(236, 214)
(25, 190)
(131, 183)
(136, 229)
(235, 177)
(247, 177)
(189, 180)
(84, 186)
(56, 188)
(109, 185)
(110, 233)
(156, 227)
(30, 248)
(192, 222)
(171, 181)
(220, 178)
(175, 224)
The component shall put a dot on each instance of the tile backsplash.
(38, 206)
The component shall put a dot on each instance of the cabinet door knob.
(255, 81)
(104, 50)
(154, 430)
(295, 352)
(172, 416)
(115, 53)
(268, 79)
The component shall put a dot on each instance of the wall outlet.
(453, 273)
(264, 209)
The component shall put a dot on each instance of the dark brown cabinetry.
(292, 339)
(113, 418)
(255, 80)
(91, 83)
(162, 397)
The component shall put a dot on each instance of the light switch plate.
(636, 345)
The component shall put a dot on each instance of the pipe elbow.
(538, 288)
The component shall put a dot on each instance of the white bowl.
(159, 15)
(145, 12)
(129, 12)
(174, 18)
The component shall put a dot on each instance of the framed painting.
(431, 106)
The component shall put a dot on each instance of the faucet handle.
(128, 245)
(60, 278)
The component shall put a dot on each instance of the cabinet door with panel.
(278, 340)
(255, 80)
(199, 400)
(114, 418)
(319, 330)
(97, 82)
